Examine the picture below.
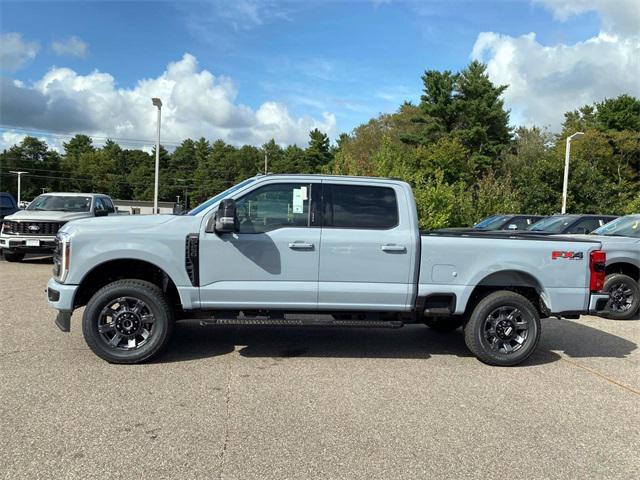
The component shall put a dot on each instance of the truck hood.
(124, 223)
(46, 216)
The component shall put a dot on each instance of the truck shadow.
(191, 342)
(34, 258)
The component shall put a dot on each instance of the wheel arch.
(513, 280)
(625, 268)
(125, 268)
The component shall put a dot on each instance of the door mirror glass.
(226, 219)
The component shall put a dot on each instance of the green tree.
(318, 152)
(621, 113)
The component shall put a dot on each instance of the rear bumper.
(598, 302)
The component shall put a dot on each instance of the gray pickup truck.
(621, 242)
(349, 248)
(34, 229)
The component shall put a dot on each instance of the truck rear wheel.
(503, 329)
(625, 296)
(127, 321)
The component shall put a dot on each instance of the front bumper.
(31, 243)
(60, 297)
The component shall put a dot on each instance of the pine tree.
(318, 152)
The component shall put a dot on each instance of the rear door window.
(359, 207)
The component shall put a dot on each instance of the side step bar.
(291, 322)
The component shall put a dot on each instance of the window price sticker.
(298, 201)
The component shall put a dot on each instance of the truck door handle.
(300, 246)
(393, 248)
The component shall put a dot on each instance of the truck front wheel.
(625, 296)
(503, 329)
(127, 321)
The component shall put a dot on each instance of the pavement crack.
(49, 350)
(596, 373)
(227, 397)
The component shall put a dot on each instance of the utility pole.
(266, 163)
(565, 184)
(158, 103)
(19, 181)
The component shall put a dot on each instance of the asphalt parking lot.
(226, 402)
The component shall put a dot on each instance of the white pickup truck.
(34, 229)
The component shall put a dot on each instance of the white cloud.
(546, 81)
(15, 52)
(195, 103)
(72, 46)
(621, 17)
(9, 138)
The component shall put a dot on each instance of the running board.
(290, 322)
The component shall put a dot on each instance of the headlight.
(9, 227)
(62, 256)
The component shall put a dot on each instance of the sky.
(247, 71)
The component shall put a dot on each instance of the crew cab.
(349, 248)
(34, 229)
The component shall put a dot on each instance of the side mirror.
(512, 226)
(225, 220)
(100, 213)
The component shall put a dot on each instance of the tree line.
(456, 148)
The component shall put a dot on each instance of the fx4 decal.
(567, 255)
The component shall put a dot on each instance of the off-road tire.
(157, 303)
(616, 279)
(476, 329)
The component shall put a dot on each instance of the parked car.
(7, 204)
(277, 245)
(621, 241)
(34, 229)
(507, 222)
(569, 223)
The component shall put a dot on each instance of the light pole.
(565, 185)
(19, 181)
(158, 103)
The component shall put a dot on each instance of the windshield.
(621, 227)
(491, 223)
(220, 196)
(61, 203)
(554, 224)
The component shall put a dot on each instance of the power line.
(121, 182)
(49, 133)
